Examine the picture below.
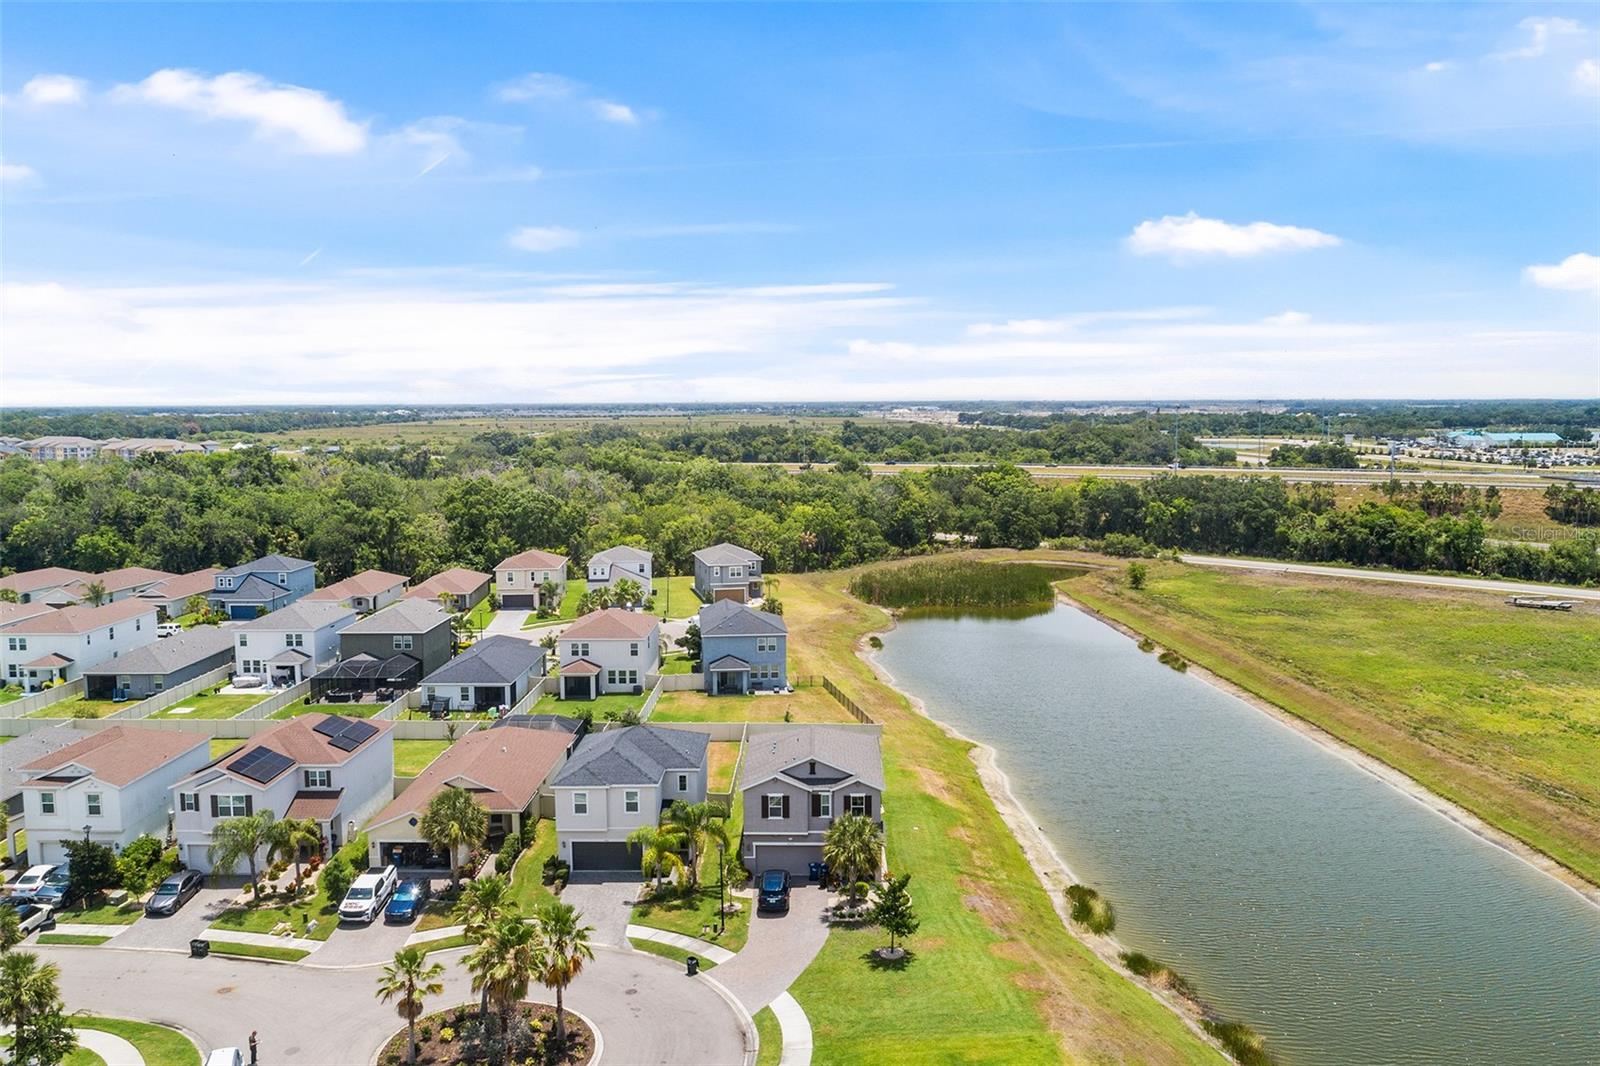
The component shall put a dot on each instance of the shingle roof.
(622, 553)
(726, 554)
(81, 619)
(298, 739)
(50, 661)
(497, 660)
(169, 654)
(181, 587)
(120, 754)
(634, 755)
(35, 744)
(272, 563)
(729, 662)
(404, 616)
(855, 751)
(366, 583)
(580, 668)
(726, 618)
(533, 559)
(613, 623)
(510, 765)
(253, 589)
(458, 581)
(303, 614)
(16, 612)
(318, 804)
(119, 580)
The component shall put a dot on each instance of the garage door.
(796, 860)
(727, 594)
(604, 855)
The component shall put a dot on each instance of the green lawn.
(611, 705)
(807, 704)
(220, 746)
(482, 614)
(436, 914)
(158, 1045)
(460, 940)
(103, 913)
(527, 885)
(258, 951)
(78, 707)
(11, 692)
(80, 939)
(680, 592)
(209, 704)
(78, 1056)
(771, 1035)
(721, 758)
(22, 842)
(677, 662)
(303, 705)
(690, 914)
(411, 757)
(301, 913)
(1491, 706)
(566, 612)
(668, 951)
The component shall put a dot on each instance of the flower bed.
(450, 1038)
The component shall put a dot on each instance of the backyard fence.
(166, 698)
(406, 701)
(38, 701)
(680, 682)
(529, 698)
(268, 707)
(846, 702)
(651, 700)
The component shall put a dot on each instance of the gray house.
(160, 665)
(495, 672)
(619, 780)
(796, 780)
(727, 572)
(270, 582)
(742, 649)
(623, 562)
(418, 628)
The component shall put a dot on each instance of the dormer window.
(283, 578)
(813, 768)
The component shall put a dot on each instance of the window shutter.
(783, 806)
(868, 798)
(213, 806)
(816, 805)
(249, 808)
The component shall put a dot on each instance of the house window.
(232, 807)
(735, 571)
(402, 643)
(633, 650)
(822, 804)
(580, 651)
(683, 782)
(630, 801)
(94, 804)
(775, 806)
(188, 801)
(466, 694)
(47, 803)
(511, 577)
(158, 682)
(17, 643)
(244, 640)
(580, 803)
(294, 640)
(859, 805)
(283, 579)
(319, 778)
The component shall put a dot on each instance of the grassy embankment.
(993, 974)
(1493, 707)
(158, 1045)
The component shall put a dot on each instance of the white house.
(624, 562)
(518, 580)
(60, 645)
(608, 651)
(334, 771)
(616, 782)
(292, 643)
(31, 585)
(112, 785)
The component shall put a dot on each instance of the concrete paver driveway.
(362, 945)
(780, 947)
(606, 902)
(174, 932)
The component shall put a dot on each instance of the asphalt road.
(1510, 588)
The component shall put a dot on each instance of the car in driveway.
(407, 902)
(367, 896)
(30, 882)
(774, 894)
(173, 893)
(30, 915)
(55, 892)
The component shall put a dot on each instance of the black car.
(174, 892)
(774, 895)
(407, 901)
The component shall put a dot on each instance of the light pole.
(722, 887)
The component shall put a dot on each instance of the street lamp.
(722, 885)
(86, 833)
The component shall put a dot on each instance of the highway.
(1475, 584)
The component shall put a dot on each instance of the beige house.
(466, 588)
(519, 579)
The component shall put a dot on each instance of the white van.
(368, 895)
(169, 629)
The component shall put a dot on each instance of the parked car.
(30, 915)
(407, 901)
(30, 882)
(774, 891)
(367, 895)
(55, 890)
(169, 629)
(173, 893)
(225, 1056)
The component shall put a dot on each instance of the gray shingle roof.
(303, 614)
(727, 618)
(402, 616)
(253, 589)
(170, 654)
(497, 660)
(273, 563)
(726, 554)
(22, 750)
(622, 553)
(856, 751)
(634, 755)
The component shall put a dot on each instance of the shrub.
(1174, 660)
(1147, 645)
(875, 642)
(337, 877)
(1240, 1041)
(1141, 965)
(1126, 545)
(955, 583)
(447, 1034)
(1138, 573)
(1089, 910)
(507, 858)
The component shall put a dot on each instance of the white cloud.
(1438, 66)
(10, 172)
(1017, 327)
(1540, 34)
(1586, 78)
(1575, 273)
(542, 238)
(1184, 236)
(308, 120)
(556, 88)
(45, 89)
(1288, 318)
(611, 111)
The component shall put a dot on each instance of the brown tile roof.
(120, 754)
(366, 583)
(319, 804)
(82, 619)
(613, 623)
(48, 577)
(503, 768)
(533, 559)
(458, 581)
(298, 739)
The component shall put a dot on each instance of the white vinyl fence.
(167, 697)
(38, 701)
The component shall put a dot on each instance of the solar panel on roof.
(360, 732)
(344, 743)
(331, 726)
(269, 766)
(247, 760)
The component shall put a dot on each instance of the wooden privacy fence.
(846, 702)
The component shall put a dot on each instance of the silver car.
(30, 915)
(173, 893)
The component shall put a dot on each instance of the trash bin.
(816, 871)
(199, 949)
(694, 965)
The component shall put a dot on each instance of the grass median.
(257, 951)
(157, 1044)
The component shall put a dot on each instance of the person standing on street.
(253, 1047)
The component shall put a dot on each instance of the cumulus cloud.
(305, 119)
(16, 172)
(542, 238)
(1539, 33)
(45, 89)
(1575, 273)
(544, 87)
(1185, 236)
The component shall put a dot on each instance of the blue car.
(407, 901)
(53, 892)
(774, 895)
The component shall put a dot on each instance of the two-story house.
(113, 585)
(624, 562)
(16, 753)
(519, 579)
(795, 781)
(619, 780)
(461, 588)
(111, 786)
(370, 590)
(608, 651)
(418, 628)
(334, 771)
(268, 583)
(31, 585)
(289, 645)
(497, 671)
(60, 645)
(742, 649)
(727, 572)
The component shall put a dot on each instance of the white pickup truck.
(368, 895)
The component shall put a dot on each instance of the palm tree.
(455, 819)
(563, 947)
(233, 839)
(27, 988)
(95, 592)
(852, 846)
(409, 978)
(290, 836)
(658, 852)
(484, 904)
(696, 822)
(504, 964)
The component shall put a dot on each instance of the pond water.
(1343, 920)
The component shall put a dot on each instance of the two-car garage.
(605, 855)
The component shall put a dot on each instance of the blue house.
(742, 649)
(272, 581)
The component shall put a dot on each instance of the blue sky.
(216, 203)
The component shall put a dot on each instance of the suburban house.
(466, 588)
(795, 781)
(61, 448)
(110, 787)
(609, 651)
(271, 582)
(624, 562)
(16, 612)
(60, 646)
(618, 781)
(334, 771)
(742, 649)
(16, 753)
(727, 572)
(495, 672)
(160, 665)
(290, 644)
(504, 769)
(519, 579)
(114, 585)
(171, 595)
(370, 590)
(416, 628)
(32, 585)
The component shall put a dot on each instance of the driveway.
(780, 947)
(507, 623)
(362, 945)
(606, 902)
(175, 932)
